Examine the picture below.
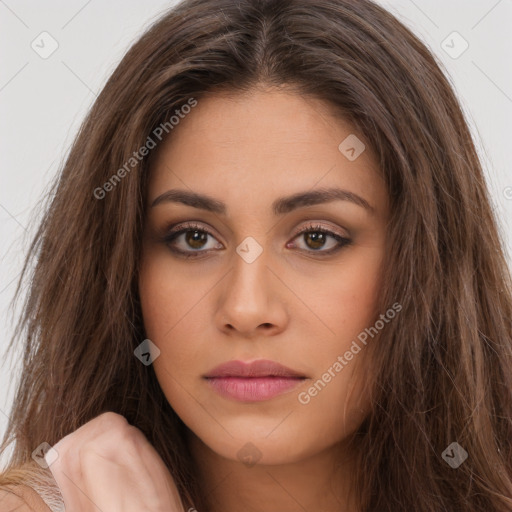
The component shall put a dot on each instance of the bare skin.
(291, 304)
(108, 464)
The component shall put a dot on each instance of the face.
(244, 261)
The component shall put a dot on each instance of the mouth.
(253, 389)
(253, 382)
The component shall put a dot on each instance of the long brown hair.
(441, 371)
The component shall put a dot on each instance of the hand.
(109, 465)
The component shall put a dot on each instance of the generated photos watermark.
(147, 352)
(45, 455)
(304, 397)
(151, 143)
(454, 455)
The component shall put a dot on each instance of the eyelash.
(190, 226)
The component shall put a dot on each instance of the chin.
(273, 447)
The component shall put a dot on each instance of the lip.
(254, 381)
(258, 368)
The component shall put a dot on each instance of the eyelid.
(188, 225)
(315, 225)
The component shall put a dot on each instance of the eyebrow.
(280, 206)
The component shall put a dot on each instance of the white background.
(43, 101)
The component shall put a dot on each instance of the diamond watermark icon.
(44, 45)
(351, 147)
(249, 250)
(455, 45)
(454, 455)
(45, 455)
(147, 352)
(249, 455)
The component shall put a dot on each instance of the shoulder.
(29, 488)
(21, 498)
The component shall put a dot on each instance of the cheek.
(345, 298)
(168, 294)
(346, 307)
(177, 310)
(167, 300)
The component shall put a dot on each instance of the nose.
(252, 300)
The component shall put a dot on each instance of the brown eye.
(191, 240)
(321, 240)
(315, 240)
(196, 239)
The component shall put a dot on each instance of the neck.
(320, 482)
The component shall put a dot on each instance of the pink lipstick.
(253, 382)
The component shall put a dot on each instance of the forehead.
(266, 142)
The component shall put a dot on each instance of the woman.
(269, 279)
